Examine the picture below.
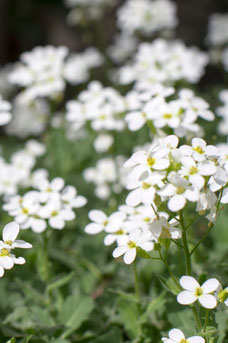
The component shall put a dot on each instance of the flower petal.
(10, 232)
(189, 283)
(186, 298)
(210, 285)
(130, 256)
(208, 301)
(176, 335)
(196, 339)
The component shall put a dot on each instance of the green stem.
(206, 320)
(169, 270)
(136, 278)
(202, 239)
(197, 318)
(189, 268)
(185, 245)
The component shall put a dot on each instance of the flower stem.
(136, 278)
(189, 267)
(206, 320)
(185, 245)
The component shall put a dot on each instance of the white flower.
(101, 221)
(177, 336)
(9, 235)
(5, 112)
(7, 260)
(136, 238)
(193, 291)
(103, 142)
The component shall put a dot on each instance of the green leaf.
(60, 282)
(59, 340)
(129, 315)
(27, 339)
(156, 303)
(168, 284)
(221, 318)
(112, 336)
(75, 310)
(142, 253)
(12, 340)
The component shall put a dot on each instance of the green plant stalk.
(169, 270)
(136, 279)
(189, 267)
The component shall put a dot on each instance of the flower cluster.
(222, 111)
(218, 29)
(102, 107)
(5, 112)
(43, 71)
(18, 172)
(82, 10)
(133, 227)
(49, 204)
(108, 175)
(163, 62)
(9, 243)
(147, 16)
(178, 114)
(28, 119)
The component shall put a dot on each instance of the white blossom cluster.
(217, 38)
(123, 47)
(18, 172)
(49, 203)
(166, 173)
(108, 176)
(146, 16)
(179, 114)
(163, 62)
(28, 119)
(9, 243)
(5, 111)
(222, 112)
(218, 29)
(132, 227)
(43, 72)
(84, 10)
(102, 107)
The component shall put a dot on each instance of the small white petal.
(10, 231)
(208, 301)
(176, 203)
(196, 339)
(189, 283)
(22, 244)
(176, 335)
(6, 262)
(186, 298)
(97, 216)
(130, 256)
(93, 229)
(119, 251)
(210, 285)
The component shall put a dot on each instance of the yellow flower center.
(54, 213)
(151, 161)
(198, 149)
(131, 244)
(193, 170)
(198, 292)
(147, 219)
(119, 232)
(4, 252)
(145, 185)
(180, 190)
(167, 116)
(8, 242)
(25, 210)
